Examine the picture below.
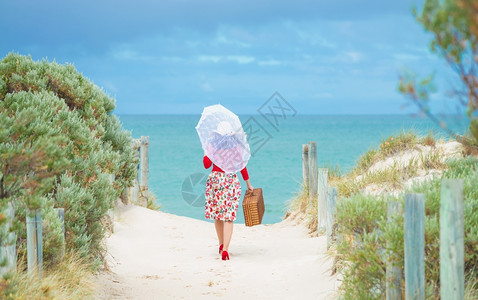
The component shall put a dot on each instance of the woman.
(223, 192)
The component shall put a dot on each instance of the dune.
(156, 255)
(416, 156)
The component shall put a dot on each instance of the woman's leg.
(219, 230)
(227, 234)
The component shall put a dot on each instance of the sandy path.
(155, 255)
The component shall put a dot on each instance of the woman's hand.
(250, 188)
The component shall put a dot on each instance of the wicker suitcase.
(253, 206)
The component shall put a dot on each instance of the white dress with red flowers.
(223, 192)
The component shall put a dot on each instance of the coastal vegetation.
(60, 147)
(405, 163)
(362, 218)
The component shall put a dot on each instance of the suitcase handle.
(248, 192)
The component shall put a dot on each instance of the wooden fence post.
(305, 167)
(452, 260)
(39, 228)
(8, 254)
(322, 175)
(414, 246)
(134, 190)
(144, 166)
(35, 243)
(393, 272)
(331, 199)
(31, 243)
(312, 173)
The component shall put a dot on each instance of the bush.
(368, 238)
(60, 146)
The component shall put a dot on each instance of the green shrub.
(368, 237)
(359, 213)
(60, 146)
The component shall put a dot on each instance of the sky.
(177, 56)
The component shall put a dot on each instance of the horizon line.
(318, 114)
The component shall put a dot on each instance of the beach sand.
(156, 255)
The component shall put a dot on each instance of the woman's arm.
(245, 176)
(206, 161)
(249, 186)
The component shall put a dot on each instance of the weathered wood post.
(144, 168)
(452, 259)
(35, 243)
(331, 199)
(414, 246)
(305, 177)
(8, 254)
(323, 174)
(305, 167)
(133, 191)
(135, 187)
(312, 173)
(393, 272)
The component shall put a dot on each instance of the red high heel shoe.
(225, 255)
(220, 248)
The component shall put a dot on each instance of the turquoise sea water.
(276, 164)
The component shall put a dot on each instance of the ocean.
(176, 172)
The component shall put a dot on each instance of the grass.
(470, 144)
(299, 202)
(388, 179)
(151, 202)
(385, 179)
(70, 279)
(405, 140)
(432, 160)
(429, 140)
(366, 235)
(391, 178)
(299, 206)
(381, 180)
(147, 199)
(471, 287)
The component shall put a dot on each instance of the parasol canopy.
(223, 139)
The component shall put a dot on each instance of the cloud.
(353, 56)
(221, 39)
(240, 59)
(172, 59)
(322, 96)
(153, 50)
(269, 62)
(210, 58)
(97, 25)
(126, 54)
(406, 56)
(311, 37)
(206, 87)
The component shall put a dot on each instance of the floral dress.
(223, 191)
